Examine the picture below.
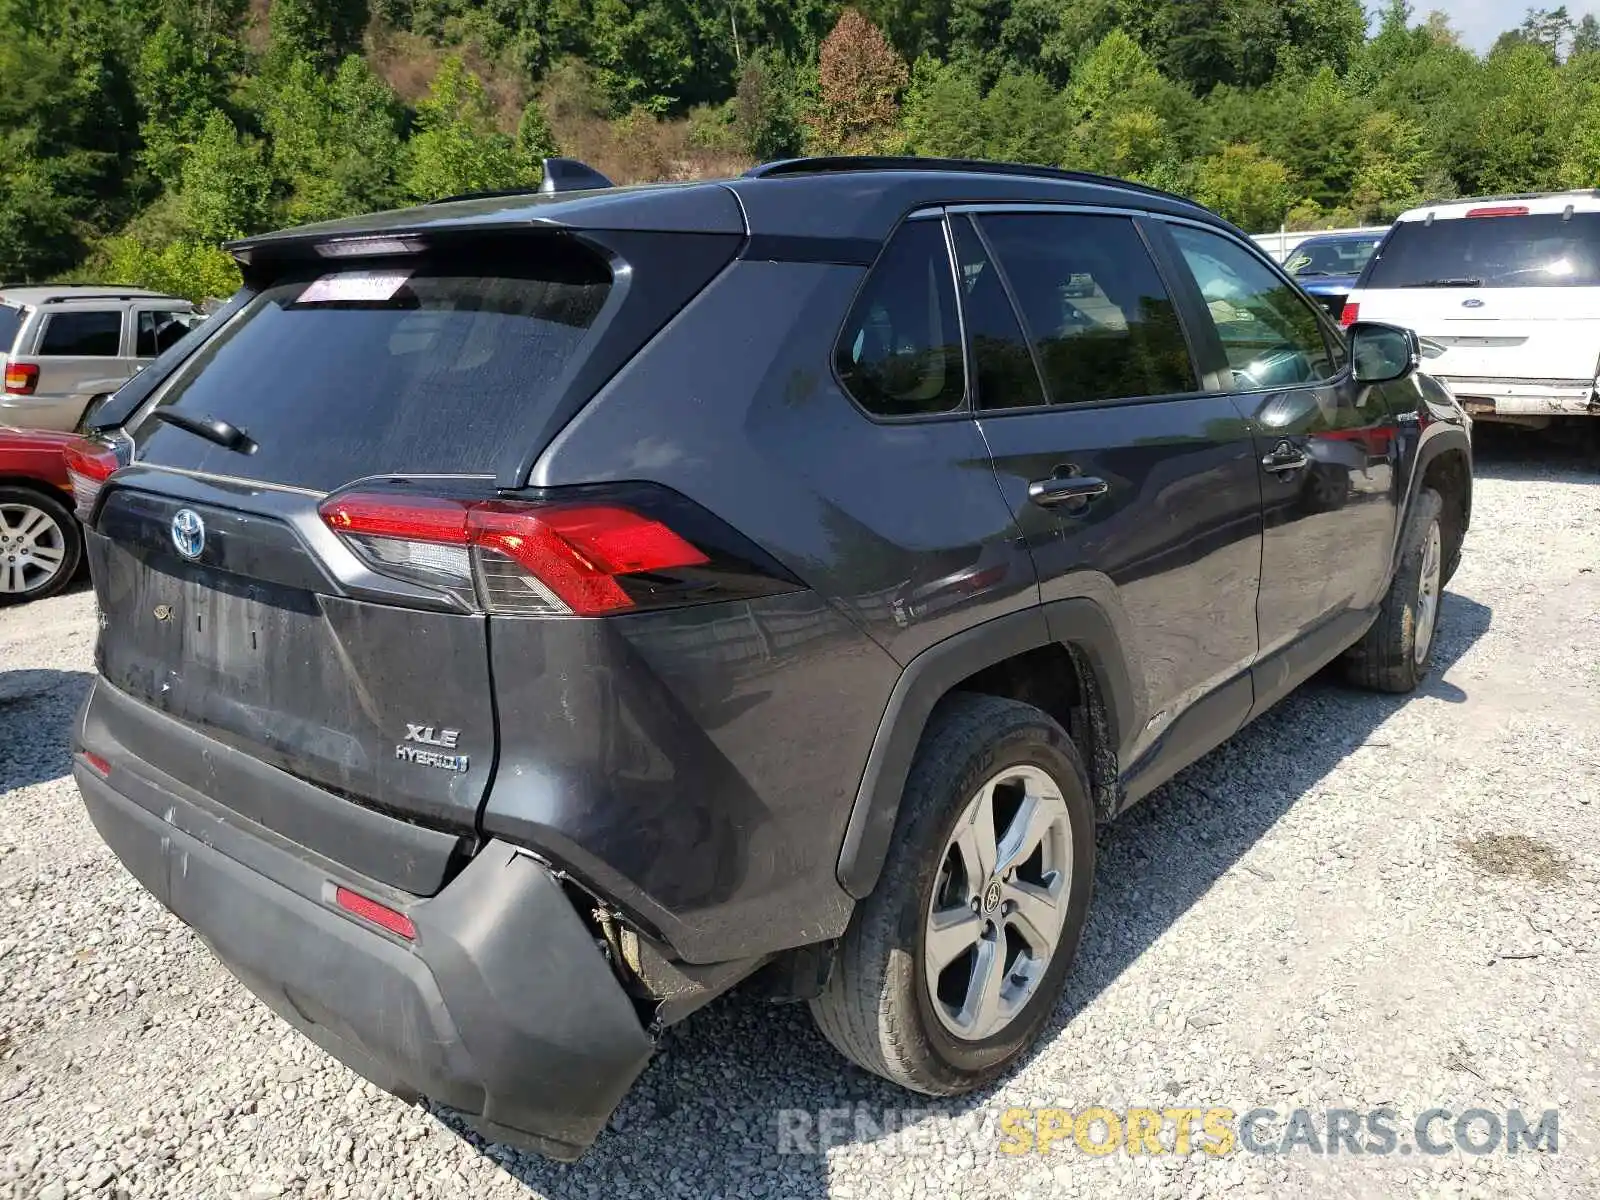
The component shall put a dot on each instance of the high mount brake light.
(1499, 210)
(515, 557)
(89, 464)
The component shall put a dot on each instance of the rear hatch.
(229, 602)
(1504, 295)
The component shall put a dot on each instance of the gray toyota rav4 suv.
(524, 617)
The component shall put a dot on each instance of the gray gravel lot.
(1359, 901)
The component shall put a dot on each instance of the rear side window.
(82, 334)
(900, 352)
(10, 322)
(1100, 318)
(420, 366)
(158, 330)
(1542, 250)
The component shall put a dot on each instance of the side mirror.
(1383, 353)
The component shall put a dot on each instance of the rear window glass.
(82, 334)
(1343, 256)
(404, 366)
(10, 322)
(1542, 250)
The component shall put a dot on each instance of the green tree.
(457, 147)
(226, 185)
(535, 142)
(180, 268)
(1246, 186)
(1586, 36)
(180, 81)
(768, 104)
(944, 114)
(322, 31)
(334, 143)
(1392, 166)
(1027, 121)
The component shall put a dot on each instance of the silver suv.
(66, 345)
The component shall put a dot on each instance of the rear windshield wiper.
(213, 429)
(1465, 282)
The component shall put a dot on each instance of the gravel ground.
(1358, 902)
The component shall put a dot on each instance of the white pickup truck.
(1505, 293)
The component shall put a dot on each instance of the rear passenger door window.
(1003, 369)
(1097, 312)
(1270, 335)
(82, 335)
(900, 352)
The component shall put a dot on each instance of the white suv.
(1505, 294)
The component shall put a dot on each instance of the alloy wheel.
(998, 903)
(33, 548)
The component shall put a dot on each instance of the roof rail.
(889, 162)
(560, 175)
(1592, 192)
(67, 299)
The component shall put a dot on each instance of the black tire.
(876, 1009)
(1386, 659)
(71, 542)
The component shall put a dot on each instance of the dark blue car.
(1327, 266)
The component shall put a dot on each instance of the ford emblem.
(1472, 303)
(188, 533)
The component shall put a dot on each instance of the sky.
(1481, 21)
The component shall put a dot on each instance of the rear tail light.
(21, 378)
(89, 463)
(380, 915)
(581, 559)
(1349, 315)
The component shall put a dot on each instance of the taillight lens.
(21, 378)
(89, 464)
(514, 557)
(1350, 314)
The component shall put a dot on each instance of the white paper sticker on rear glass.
(353, 287)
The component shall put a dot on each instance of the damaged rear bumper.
(501, 1006)
(1491, 399)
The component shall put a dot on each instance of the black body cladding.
(908, 426)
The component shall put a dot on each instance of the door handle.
(1066, 491)
(1286, 457)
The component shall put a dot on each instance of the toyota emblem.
(188, 533)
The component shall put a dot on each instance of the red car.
(40, 540)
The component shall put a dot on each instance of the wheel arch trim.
(1080, 624)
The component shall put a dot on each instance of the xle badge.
(430, 735)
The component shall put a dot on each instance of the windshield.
(1540, 250)
(1343, 257)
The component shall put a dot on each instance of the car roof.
(1322, 239)
(1534, 202)
(32, 296)
(837, 199)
